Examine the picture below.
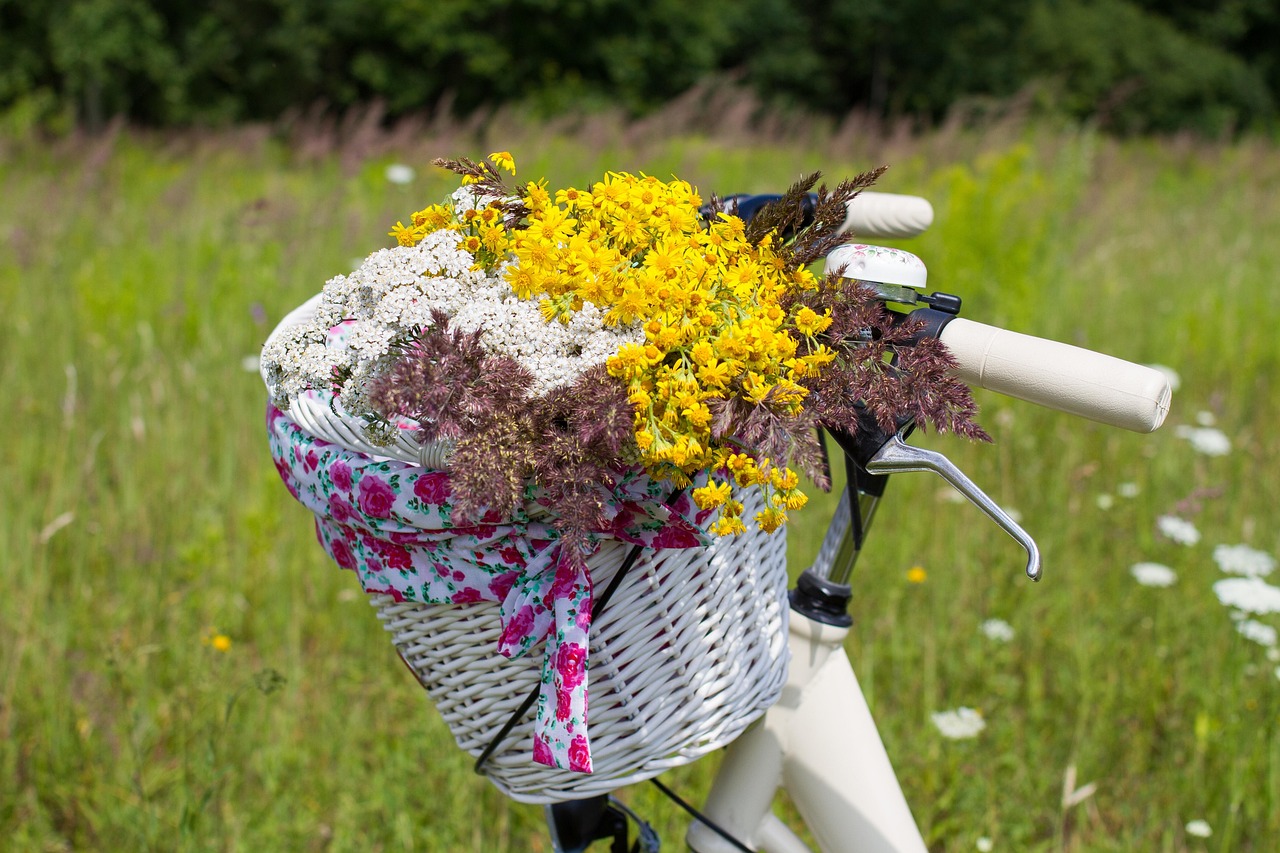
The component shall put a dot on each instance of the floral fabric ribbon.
(392, 524)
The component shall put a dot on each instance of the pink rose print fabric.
(392, 524)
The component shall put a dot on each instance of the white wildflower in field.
(1205, 418)
(1260, 633)
(1178, 529)
(1199, 828)
(399, 173)
(984, 845)
(1210, 441)
(1273, 654)
(1243, 560)
(1252, 595)
(959, 724)
(1153, 574)
(998, 630)
(1175, 381)
(1105, 501)
(1128, 490)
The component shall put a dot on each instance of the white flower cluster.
(1259, 632)
(1243, 560)
(1178, 529)
(395, 291)
(1252, 595)
(555, 353)
(1208, 440)
(1153, 574)
(960, 724)
(998, 630)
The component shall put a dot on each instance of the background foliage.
(1134, 65)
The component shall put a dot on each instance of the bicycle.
(818, 716)
(805, 741)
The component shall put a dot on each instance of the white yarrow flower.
(399, 173)
(998, 630)
(1243, 560)
(1258, 632)
(1210, 441)
(1199, 828)
(1153, 574)
(1128, 490)
(396, 291)
(959, 724)
(984, 845)
(1178, 529)
(1252, 595)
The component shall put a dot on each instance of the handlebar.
(1059, 376)
(887, 216)
(882, 216)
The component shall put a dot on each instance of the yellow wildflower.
(770, 519)
(810, 323)
(504, 160)
(916, 574)
(404, 235)
(728, 526)
(711, 495)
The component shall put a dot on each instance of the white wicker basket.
(690, 650)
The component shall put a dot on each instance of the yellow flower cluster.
(708, 300)
(482, 233)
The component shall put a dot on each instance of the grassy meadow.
(181, 668)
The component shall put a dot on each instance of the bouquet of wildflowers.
(555, 338)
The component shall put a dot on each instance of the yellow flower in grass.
(916, 574)
(218, 642)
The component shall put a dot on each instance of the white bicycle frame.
(820, 743)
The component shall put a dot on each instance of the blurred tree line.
(1135, 65)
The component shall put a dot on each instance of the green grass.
(142, 515)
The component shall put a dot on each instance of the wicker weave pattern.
(689, 652)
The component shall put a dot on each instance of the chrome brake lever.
(896, 456)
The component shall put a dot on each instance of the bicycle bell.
(895, 275)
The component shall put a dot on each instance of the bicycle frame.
(821, 743)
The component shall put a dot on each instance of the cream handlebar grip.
(887, 215)
(1059, 376)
